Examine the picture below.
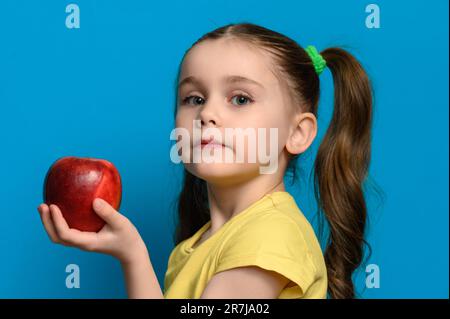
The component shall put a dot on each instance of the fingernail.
(98, 203)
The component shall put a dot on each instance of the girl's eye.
(195, 98)
(241, 99)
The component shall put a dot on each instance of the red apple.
(72, 183)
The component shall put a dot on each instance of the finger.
(46, 219)
(74, 237)
(108, 213)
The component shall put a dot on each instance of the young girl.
(240, 234)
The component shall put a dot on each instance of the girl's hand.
(118, 237)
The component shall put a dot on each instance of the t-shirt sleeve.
(274, 243)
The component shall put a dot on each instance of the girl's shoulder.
(282, 213)
(281, 224)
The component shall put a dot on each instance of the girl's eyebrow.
(241, 79)
(228, 79)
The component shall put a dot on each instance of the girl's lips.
(203, 145)
(209, 143)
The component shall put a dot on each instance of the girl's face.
(226, 84)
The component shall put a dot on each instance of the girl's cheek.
(180, 121)
(184, 117)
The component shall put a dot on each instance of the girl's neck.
(228, 201)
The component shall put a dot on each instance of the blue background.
(106, 90)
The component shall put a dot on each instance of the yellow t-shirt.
(272, 233)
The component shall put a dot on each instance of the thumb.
(106, 212)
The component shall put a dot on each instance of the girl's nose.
(209, 115)
(213, 122)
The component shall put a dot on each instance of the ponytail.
(340, 169)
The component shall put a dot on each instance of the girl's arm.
(118, 238)
(141, 279)
(121, 239)
(249, 282)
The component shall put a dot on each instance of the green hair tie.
(318, 61)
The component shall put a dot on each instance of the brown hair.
(342, 160)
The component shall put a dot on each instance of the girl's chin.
(216, 172)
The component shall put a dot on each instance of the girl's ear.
(303, 133)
